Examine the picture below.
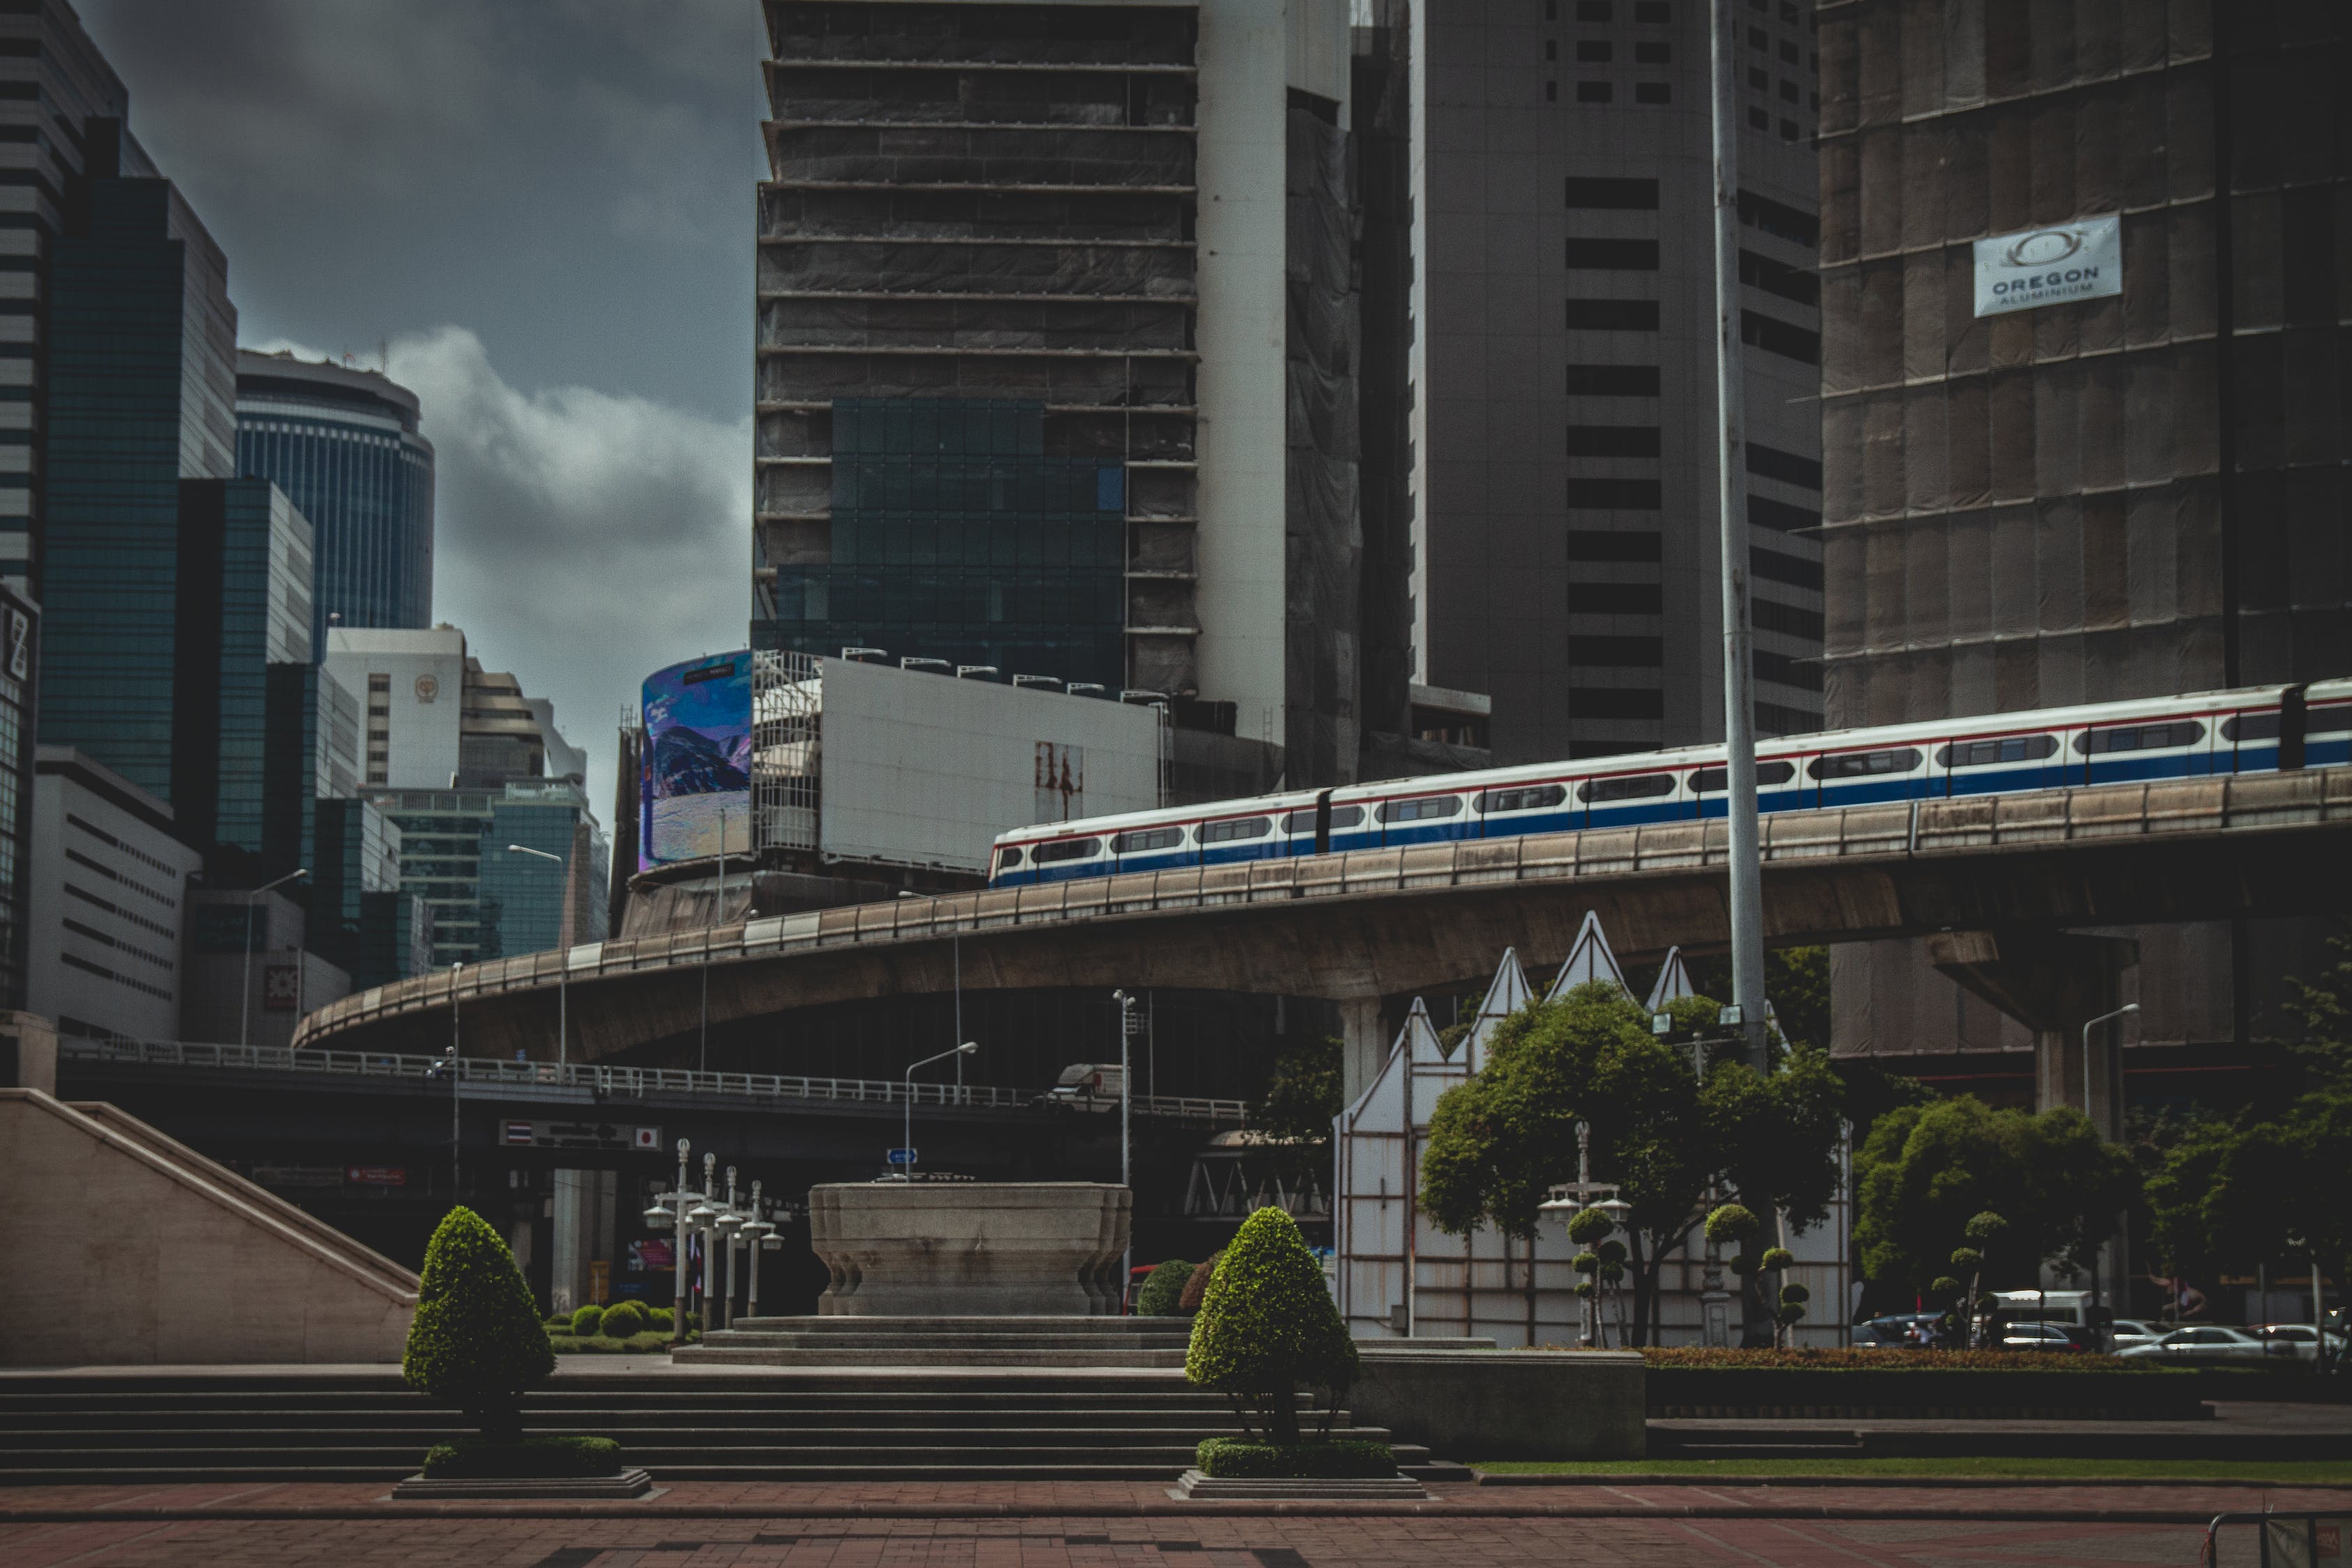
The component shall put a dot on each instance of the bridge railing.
(1902, 830)
(610, 1079)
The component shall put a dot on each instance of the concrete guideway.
(1357, 927)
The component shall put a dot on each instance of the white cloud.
(583, 540)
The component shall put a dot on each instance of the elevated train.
(2252, 731)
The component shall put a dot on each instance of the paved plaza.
(1050, 1525)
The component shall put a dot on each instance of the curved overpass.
(1353, 928)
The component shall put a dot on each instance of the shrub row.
(530, 1457)
(1337, 1459)
(1715, 1358)
(618, 1321)
(653, 1342)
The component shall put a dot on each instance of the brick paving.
(1086, 1524)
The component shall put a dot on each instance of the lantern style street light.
(1569, 1199)
(670, 1208)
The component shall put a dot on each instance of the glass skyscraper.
(956, 536)
(343, 444)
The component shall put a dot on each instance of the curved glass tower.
(342, 443)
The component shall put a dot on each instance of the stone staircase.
(752, 1424)
(846, 1341)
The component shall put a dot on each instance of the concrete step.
(902, 1355)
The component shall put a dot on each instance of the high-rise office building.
(1057, 360)
(20, 643)
(462, 764)
(2135, 489)
(53, 84)
(1564, 428)
(343, 443)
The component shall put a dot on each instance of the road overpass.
(1996, 875)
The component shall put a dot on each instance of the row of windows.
(1611, 546)
(1602, 52)
(119, 912)
(1648, 13)
(1644, 92)
(78, 962)
(1756, 330)
(1649, 599)
(1643, 441)
(111, 875)
(91, 933)
(130, 851)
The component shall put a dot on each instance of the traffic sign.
(901, 1156)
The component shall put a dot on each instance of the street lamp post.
(907, 1134)
(755, 1233)
(1570, 1198)
(563, 959)
(728, 1225)
(2096, 1122)
(1126, 1173)
(456, 1179)
(701, 1217)
(669, 1209)
(245, 990)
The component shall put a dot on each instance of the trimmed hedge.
(1165, 1290)
(476, 1342)
(527, 1458)
(653, 1342)
(1347, 1458)
(588, 1322)
(623, 1319)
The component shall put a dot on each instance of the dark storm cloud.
(544, 208)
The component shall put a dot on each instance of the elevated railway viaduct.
(1997, 882)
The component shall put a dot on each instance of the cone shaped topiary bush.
(476, 1342)
(1267, 1324)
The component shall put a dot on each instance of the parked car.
(2130, 1332)
(2044, 1337)
(2204, 1342)
(1900, 1331)
(2296, 1340)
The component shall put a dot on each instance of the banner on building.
(695, 792)
(2080, 260)
(281, 987)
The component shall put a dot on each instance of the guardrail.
(612, 1080)
(1897, 830)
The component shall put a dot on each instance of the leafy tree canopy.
(1926, 1170)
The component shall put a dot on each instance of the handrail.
(1901, 830)
(607, 1078)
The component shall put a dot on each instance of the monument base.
(975, 1249)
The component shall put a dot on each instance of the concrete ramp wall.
(151, 1254)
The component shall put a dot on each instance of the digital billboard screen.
(695, 796)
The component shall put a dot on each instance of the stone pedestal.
(982, 1250)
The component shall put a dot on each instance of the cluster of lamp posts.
(1569, 1199)
(722, 1222)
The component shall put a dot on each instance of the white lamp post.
(1126, 1176)
(755, 1233)
(907, 1133)
(245, 991)
(563, 966)
(728, 1225)
(700, 1218)
(1570, 1198)
(671, 1209)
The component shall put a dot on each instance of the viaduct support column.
(2053, 982)
(1364, 1042)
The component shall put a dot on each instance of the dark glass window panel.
(1602, 544)
(1612, 440)
(1637, 786)
(1864, 764)
(1769, 775)
(1991, 752)
(1613, 255)
(1612, 380)
(2141, 737)
(1428, 809)
(1066, 849)
(1528, 797)
(1612, 315)
(1611, 194)
(1144, 840)
(1238, 828)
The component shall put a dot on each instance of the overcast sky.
(543, 210)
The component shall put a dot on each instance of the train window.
(1529, 798)
(1639, 787)
(2332, 720)
(1986, 754)
(1767, 775)
(2250, 727)
(1066, 849)
(1239, 827)
(1008, 858)
(1863, 765)
(1341, 817)
(2140, 737)
(1145, 840)
(1427, 808)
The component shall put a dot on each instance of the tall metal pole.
(244, 988)
(1731, 459)
(1126, 1169)
(678, 1259)
(457, 970)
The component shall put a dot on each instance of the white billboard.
(926, 770)
(2079, 260)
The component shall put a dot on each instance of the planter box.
(1503, 1405)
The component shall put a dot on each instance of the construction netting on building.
(1401, 1277)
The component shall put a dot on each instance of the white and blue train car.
(2256, 731)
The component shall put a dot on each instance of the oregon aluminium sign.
(2081, 260)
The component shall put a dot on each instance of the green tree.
(1267, 1324)
(1925, 1170)
(1164, 1289)
(1305, 1092)
(1499, 1141)
(476, 1342)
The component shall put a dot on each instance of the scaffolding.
(787, 716)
